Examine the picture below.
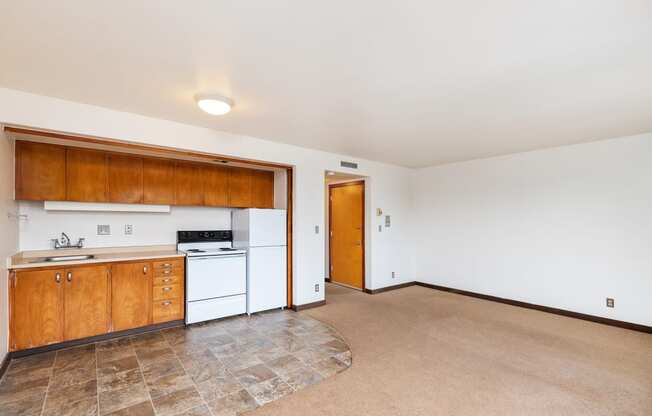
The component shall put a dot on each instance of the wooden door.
(125, 179)
(347, 234)
(37, 308)
(216, 186)
(86, 175)
(131, 289)
(240, 187)
(262, 189)
(86, 302)
(188, 184)
(40, 171)
(158, 181)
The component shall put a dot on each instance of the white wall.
(148, 228)
(9, 231)
(564, 227)
(388, 184)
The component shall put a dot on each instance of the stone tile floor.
(218, 368)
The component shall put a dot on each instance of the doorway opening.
(345, 224)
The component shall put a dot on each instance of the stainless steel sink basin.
(70, 258)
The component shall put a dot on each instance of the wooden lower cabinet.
(36, 308)
(86, 302)
(131, 289)
(53, 305)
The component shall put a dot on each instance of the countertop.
(31, 259)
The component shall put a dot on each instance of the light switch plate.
(388, 221)
(129, 229)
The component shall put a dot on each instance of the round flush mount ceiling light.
(214, 104)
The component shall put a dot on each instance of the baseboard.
(388, 288)
(548, 309)
(305, 306)
(327, 279)
(97, 338)
(5, 364)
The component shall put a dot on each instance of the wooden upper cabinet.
(125, 179)
(86, 175)
(86, 302)
(240, 187)
(36, 308)
(131, 295)
(216, 186)
(158, 181)
(262, 189)
(188, 184)
(40, 171)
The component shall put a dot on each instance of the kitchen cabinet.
(131, 288)
(86, 301)
(168, 291)
(125, 179)
(239, 187)
(158, 181)
(36, 308)
(188, 184)
(86, 175)
(40, 171)
(262, 189)
(216, 186)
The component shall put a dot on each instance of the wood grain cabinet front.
(86, 302)
(131, 289)
(40, 171)
(125, 179)
(86, 175)
(158, 181)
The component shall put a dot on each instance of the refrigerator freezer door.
(259, 227)
(266, 278)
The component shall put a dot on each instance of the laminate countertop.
(32, 259)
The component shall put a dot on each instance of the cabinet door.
(37, 308)
(262, 189)
(131, 289)
(240, 187)
(86, 302)
(158, 181)
(125, 179)
(40, 171)
(188, 189)
(86, 175)
(216, 186)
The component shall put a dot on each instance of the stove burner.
(195, 250)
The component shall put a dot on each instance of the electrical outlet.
(103, 229)
(380, 228)
(393, 275)
(610, 303)
(129, 229)
(317, 287)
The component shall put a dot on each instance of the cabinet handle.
(167, 289)
(166, 271)
(166, 280)
(69, 276)
(144, 269)
(166, 303)
(57, 277)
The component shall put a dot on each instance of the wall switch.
(103, 229)
(393, 275)
(129, 229)
(380, 228)
(317, 287)
(388, 221)
(610, 303)
(316, 229)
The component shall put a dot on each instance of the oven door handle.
(215, 257)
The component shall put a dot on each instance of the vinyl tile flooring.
(219, 368)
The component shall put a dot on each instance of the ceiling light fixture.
(214, 104)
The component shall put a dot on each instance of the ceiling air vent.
(350, 165)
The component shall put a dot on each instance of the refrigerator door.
(267, 227)
(266, 278)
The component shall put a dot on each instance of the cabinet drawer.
(167, 280)
(168, 264)
(174, 291)
(168, 272)
(167, 310)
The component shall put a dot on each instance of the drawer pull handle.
(166, 303)
(144, 269)
(57, 277)
(167, 265)
(166, 271)
(166, 280)
(69, 276)
(167, 289)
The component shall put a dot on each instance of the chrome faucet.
(64, 242)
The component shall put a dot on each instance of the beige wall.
(8, 232)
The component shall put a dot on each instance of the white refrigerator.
(262, 232)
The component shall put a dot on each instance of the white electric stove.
(216, 275)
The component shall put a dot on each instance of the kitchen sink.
(70, 258)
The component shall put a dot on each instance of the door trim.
(364, 228)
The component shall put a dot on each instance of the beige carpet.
(418, 351)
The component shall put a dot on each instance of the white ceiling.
(410, 82)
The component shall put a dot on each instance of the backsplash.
(41, 226)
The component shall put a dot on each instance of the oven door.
(216, 276)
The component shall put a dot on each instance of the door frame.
(364, 228)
